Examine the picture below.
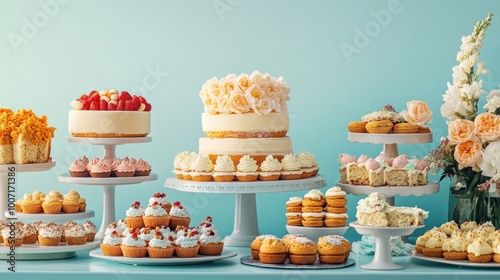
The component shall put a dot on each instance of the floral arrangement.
(470, 154)
(255, 93)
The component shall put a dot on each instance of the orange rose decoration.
(460, 130)
(487, 126)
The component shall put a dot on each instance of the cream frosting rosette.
(247, 165)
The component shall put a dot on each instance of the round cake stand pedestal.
(382, 259)
(245, 209)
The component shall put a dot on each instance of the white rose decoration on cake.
(417, 113)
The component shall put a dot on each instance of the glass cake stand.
(382, 260)
(245, 220)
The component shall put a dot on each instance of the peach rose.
(468, 153)
(239, 103)
(417, 113)
(264, 106)
(460, 131)
(228, 84)
(487, 126)
(243, 82)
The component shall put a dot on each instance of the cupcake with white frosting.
(133, 246)
(111, 245)
(155, 215)
(291, 169)
(211, 243)
(201, 168)
(160, 246)
(246, 170)
(308, 164)
(270, 169)
(224, 170)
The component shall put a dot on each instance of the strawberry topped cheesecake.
(109, 114)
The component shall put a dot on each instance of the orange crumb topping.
(23, 125)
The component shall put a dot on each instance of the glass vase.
(476, 206)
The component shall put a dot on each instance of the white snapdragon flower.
(474, 90)
(490, 163)
(480, 68)
(459, 75)
(492, 101)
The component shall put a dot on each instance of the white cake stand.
(8, 195)
(245, 219)
(108, 184)
(382, 260)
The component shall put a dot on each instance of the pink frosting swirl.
(141, 165)
(101, 167)
(115, 164)
(85, 160)
(400, 161)
(125, 166)
(91, 163)
(421, 164)
(77, 166)
(344, 159)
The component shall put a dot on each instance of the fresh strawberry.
(92, 92)
(95, 96)
(111, 106)
(137, 102)
(124, 95)
(177, 203)
(120, 106)
(83, 97)
(148, 107)
(94, 105)
(143, 100)
(86, 104)
(103, 105)
(129, 106)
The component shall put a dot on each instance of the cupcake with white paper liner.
(290, 168)
(246, 170)
(201, 168)
(270, 169)
(224, 170)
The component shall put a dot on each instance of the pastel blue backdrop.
(341, 59)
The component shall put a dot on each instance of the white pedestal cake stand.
(382, 259)
(4, 181)
(108, 184)
(245, 219)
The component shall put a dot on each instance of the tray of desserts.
(199, 259)
(296, 251)
(314, 233)
(249, 260)
(467, 263)
(467, 244)
(38, 252)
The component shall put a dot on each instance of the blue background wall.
(341, 59)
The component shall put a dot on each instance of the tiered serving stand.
(34, 251)
(382, 259)
(108, 184)
(245, 219)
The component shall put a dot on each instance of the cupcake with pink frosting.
(101, 169)
(125, 169)
(114, 164)
(142, 168)
(78, 169)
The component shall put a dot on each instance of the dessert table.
(82, 266)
